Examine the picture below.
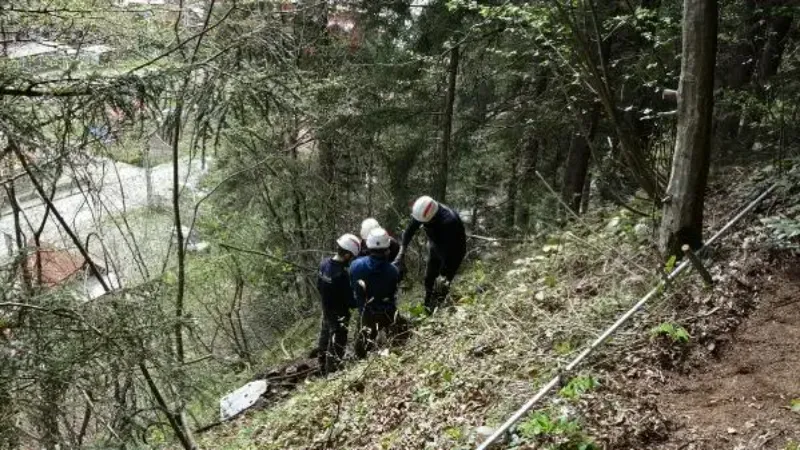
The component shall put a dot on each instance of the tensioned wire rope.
(601, 339)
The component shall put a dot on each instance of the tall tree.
(578, 160)
(779, 24)
(682, 222)
(447, 126)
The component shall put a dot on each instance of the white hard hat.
(367, 225)
(424, 209)
(378, 239)
(350, 243)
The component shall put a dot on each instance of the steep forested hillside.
(173, 172)
(699, 367)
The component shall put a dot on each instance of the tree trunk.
(758, 56)
(148, 173)
(775, 24)
(530, 160)
(739, 71)
(587, 191)
(398, 168)
(19, 234)
(683, 211)
(327, 161)
(8, 428)
(181, 239)
(578, 161)
(447, 129)
(593, 50)
(297, 195)
(512, 188)
(50, 409)
(774, 45)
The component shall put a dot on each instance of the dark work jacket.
(333, 284)
(445, 230)
(381, 277)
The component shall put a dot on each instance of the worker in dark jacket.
(447, 246)
(370, 224)
(336, 293)
(375, 280)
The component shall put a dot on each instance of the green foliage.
(478, 273)
(418, 311)
(669, 266)
(676, 333)
(541, 423)
(564, 347)
(454, 433)
(785, 228)
(578, 386)
(422, 395)
(389, 440)
(556, 433)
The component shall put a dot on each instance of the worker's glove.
(441, 286)
(363, 286)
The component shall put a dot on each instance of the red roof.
(58, 266)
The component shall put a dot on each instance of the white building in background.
(48, 53)
(38, 54)
(96, 54)
(141, 2)
(24, 50)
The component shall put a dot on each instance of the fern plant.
(676, 333)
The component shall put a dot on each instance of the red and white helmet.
(368, 225)
(350, 243)
(424, 209)
(378, 239)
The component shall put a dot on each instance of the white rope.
(555, 381)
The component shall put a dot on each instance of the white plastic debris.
(484, 432)
(613, 224)
(642, 230)
(241, 399)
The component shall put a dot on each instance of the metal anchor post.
(698, 265)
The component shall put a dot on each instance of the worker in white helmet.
(375, 280)
(336, 293)
(447, 246)
(370, 224)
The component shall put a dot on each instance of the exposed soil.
(742, 400)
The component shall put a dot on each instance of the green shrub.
(676, 333)
(559, 433)
(579, 386)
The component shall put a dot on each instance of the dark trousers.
(444, 264)
(332, 340)
(372, 322)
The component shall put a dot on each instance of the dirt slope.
(742, 400)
